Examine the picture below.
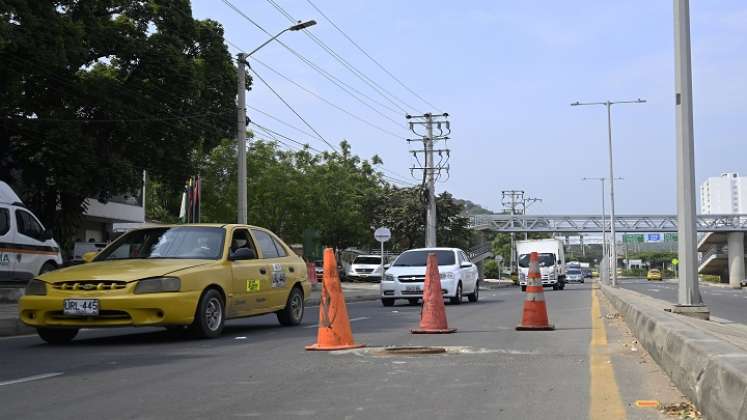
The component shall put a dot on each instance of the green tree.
(94, 92)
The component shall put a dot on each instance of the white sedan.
(405, 277)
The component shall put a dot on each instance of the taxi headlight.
(158, 284)
(388, 277)
(448, 275)
(36, 287)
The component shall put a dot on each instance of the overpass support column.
(736, 258)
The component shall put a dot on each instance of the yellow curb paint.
(606, 402)
(647, 403)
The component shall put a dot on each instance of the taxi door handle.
(262, 271)
(292, 270)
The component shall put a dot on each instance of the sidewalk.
(707, 360)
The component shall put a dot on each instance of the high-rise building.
(725, 194)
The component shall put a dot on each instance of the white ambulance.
(26, 247)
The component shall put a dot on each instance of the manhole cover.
(413, 350)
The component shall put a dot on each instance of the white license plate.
(89, 307)
(412, 288)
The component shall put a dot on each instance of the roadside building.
(722, 253)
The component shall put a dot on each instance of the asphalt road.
(258, 369)
(725, 303)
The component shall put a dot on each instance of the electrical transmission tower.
(432, 171)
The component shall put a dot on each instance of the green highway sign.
(633, 238)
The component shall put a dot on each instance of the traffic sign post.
(382, 234)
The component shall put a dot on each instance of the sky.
(506, 72)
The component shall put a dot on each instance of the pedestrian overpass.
(721, 245)
(507, 223)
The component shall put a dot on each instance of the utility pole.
(431, 169)
(526, 202)
(689, 299)
(241, 118)
(241, 138)
(510, 199)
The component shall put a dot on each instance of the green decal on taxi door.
(252, 285)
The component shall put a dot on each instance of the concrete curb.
(707, 369)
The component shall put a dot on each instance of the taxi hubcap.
(213, 314)
(296, 306)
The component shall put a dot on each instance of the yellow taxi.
(193, 276)
(653, 274)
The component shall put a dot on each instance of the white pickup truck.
(551, 262)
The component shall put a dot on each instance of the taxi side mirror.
(387, 266)
(89, 256)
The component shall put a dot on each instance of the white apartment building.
(725, 194)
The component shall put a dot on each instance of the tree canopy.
(92, 93)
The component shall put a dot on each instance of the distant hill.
(472, 209)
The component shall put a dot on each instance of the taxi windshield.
(188, 242)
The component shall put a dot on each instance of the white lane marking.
(31, 378)
(239, 338)
(360, 318)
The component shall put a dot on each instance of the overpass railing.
(590, 223)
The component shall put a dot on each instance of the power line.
(273, 133)
(328, 102)
(281, 121)
(370, 57)
(292, 109)
(362, 76)
(339, 83)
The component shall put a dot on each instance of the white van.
(26, 247)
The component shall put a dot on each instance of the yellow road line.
(605, 402)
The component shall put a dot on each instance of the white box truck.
(551, 262)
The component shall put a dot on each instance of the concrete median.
(706, 360)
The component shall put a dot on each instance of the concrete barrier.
(707, 366)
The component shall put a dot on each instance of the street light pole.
(613, 234)
(689, 299)
(605, 256)
(241, 119)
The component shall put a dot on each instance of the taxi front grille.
(103, 315)
(90, 285)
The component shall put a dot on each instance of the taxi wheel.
(57, 336)
(210, 315)
(292, 314)
(413, 301)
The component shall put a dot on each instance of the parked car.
(574, 275)
(404, 279)
(365, 268)
(653, 274)
(193, 276)
(27, 248)
(587, 272)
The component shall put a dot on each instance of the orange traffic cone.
(334, 325)
(534, 316)
(433, 313)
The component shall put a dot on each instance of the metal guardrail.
(588, 223)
